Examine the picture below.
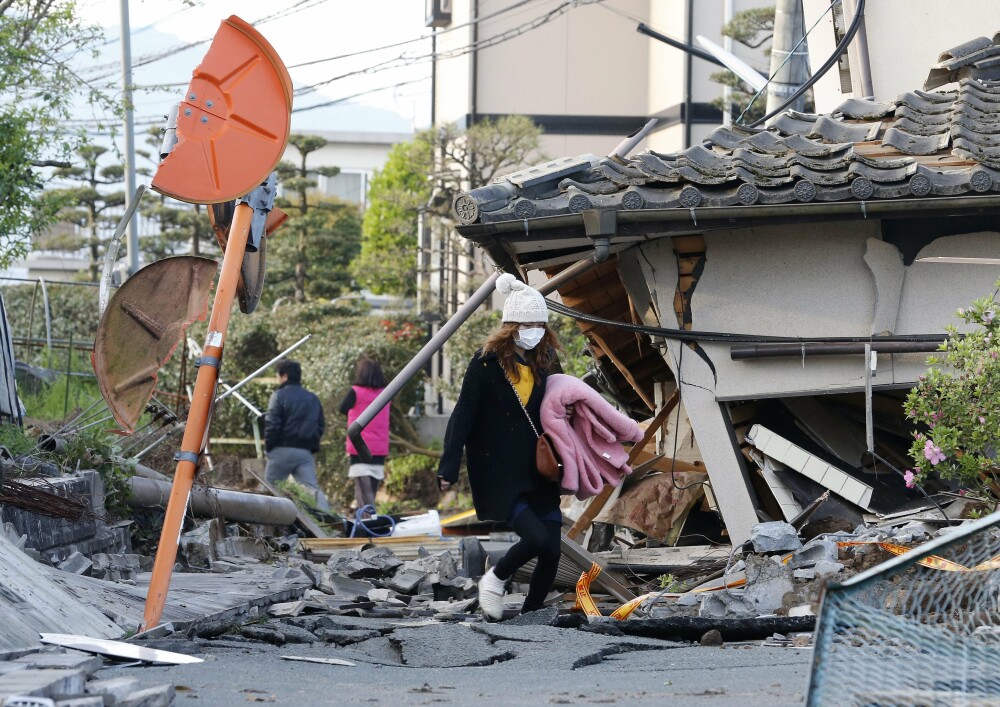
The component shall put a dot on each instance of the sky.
(304, 31)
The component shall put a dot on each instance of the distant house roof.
(922, 144)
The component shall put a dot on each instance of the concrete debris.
(66, 676)
(776, 536)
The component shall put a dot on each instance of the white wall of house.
(358, 155)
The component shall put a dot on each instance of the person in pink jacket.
(368, 383)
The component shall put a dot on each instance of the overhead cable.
(838, 51)
(733, 338)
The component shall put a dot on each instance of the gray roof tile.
(864, 150)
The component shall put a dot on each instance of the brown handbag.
(546, 457)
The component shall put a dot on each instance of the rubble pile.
(67, 678)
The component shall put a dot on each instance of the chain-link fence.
(920, 629)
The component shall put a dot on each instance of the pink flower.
(961, 311)
(909, 478)
(988, 316)
(961, 492)
(993, 354)
(933, 453)
(982, 420)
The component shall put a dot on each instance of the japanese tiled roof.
(937, 143)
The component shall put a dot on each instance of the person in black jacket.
(495, 421)
(292, 430)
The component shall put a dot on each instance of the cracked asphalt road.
(486, 665)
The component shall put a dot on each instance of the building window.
(349, 186)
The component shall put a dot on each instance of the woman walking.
(502, 389)
(368, 383)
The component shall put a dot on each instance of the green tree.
(86, 204)
(181, 227)
(426, 175)
(311, 254)
(397, 193)
(751, 28)
(38, 90)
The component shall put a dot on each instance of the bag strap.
(518, 398)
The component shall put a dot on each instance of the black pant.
(541, 539)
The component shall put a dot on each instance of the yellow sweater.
(526, 384)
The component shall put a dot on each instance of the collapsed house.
(760, 266)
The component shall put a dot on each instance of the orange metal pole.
(199, 418)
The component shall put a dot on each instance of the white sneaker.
(491, 591)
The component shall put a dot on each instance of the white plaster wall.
(787, 281)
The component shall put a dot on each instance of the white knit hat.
(524, 303)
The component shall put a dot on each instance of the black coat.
(489, 423)
(294, 419)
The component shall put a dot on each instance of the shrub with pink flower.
(955, 405)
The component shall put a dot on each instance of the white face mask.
(529, 338)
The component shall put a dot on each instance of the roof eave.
(707, 218)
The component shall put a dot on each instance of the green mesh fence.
(920, 629)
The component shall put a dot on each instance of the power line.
(360, 93)
(151, 25)
(421, 38)
(401, 61)
(150, 58)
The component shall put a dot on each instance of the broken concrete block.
(42, 683)
(914, 531)
(711, 638)
(345, 637)
(76, 563)
(115, 689)
(353, 589)
(688, 599)
(776, 536)
(85, 701)
(804, 574)
(381, 557)
(803, 610)
(67, 661)
(159, 696)
(241, 547)
(295, 634)
(813, 552)
(456, 588)
(405, 581)
(825, 568)
(263, 633)
(767, 584)
(724, 604)
(198, 545)
(379, 594)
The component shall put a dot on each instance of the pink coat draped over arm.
(589, 442)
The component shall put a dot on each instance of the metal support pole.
(233, 389)
(48, 318)
(417, 363)
(438, 340)
(199, 416)
(133, 230)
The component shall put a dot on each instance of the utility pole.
(133, 224)
(727, 44)
(789, 27)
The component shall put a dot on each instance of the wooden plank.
(597, 504)
(688, 244)
(623, 369)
